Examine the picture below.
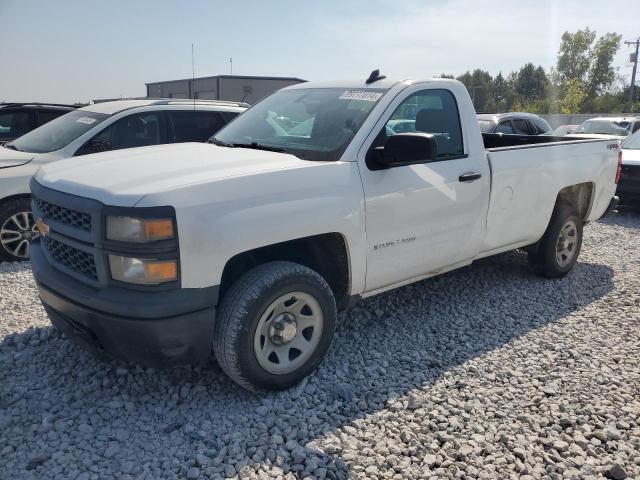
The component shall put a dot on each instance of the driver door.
(424, 217)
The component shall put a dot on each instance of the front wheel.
(17, 229)
(274, 326)
(560, 246)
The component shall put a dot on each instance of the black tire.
(549, 261)
(241, 311)
(7, 210)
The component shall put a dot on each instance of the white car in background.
(629, 185)
(607, 127)
(92, 129)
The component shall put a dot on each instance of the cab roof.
(117, 106)
(383, 84)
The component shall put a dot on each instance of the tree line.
(583, 80)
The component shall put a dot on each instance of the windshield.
(58, 133)
(313, 123)
(632, 142)
(602, 127)
(486, 126)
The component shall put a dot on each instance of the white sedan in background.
(607, 127)
(92, 129)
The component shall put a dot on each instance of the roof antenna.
(375, 76)
(193, 77)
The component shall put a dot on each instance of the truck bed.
(527, 172)
(498, 140)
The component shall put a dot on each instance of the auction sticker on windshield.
(361, 95)
(87, 120)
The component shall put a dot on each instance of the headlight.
(139, 230)
(142, 271)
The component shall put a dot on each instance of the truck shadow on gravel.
(54, 397)
(626, 216)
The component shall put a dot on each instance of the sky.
(79, 50)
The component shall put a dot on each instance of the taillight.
(619, 170)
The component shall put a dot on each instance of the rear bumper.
(629, 186)
(148, 328)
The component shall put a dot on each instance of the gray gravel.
(488, 372)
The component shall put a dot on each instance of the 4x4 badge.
(43, 228)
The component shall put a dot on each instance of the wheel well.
(326, 254)
(14, 197)
(579, 196)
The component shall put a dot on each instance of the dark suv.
(16, 119)
(514, 123)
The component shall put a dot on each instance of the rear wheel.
(560, 246)
(17, 229)
(274, 326)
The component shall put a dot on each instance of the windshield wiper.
(219, 143)
(11, 146)
(259, 146)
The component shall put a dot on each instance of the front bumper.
(149, 328)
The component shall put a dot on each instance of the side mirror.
(94, 146)
(407, 149)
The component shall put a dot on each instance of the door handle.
(469, 177)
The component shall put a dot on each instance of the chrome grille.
(72, 258)
(70, 217)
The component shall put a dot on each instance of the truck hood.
(13, 158)
(124, 177)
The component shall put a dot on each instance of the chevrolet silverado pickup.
(311, 200)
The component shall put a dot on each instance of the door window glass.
(541, 125)
(13, 124)
(429, 111)
(194, 126)
(138, 130)
(521, 127)
(505, 127)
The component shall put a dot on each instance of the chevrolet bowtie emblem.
(43, 228)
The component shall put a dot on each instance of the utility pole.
(634, 60)
(231, 64)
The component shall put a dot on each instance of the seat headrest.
(430, 120)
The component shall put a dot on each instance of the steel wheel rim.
(16, 233)
(566, 247)
(288, 333)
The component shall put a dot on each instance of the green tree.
(574, 58)
(573, 98)
(531, 83)
(502, 93)
(602, 73)
(588, 61)
(480, 84)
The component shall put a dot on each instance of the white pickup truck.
(307, 202)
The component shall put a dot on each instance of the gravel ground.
(487, 372)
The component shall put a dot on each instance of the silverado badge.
(43, 228)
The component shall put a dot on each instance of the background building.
(221, 87)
